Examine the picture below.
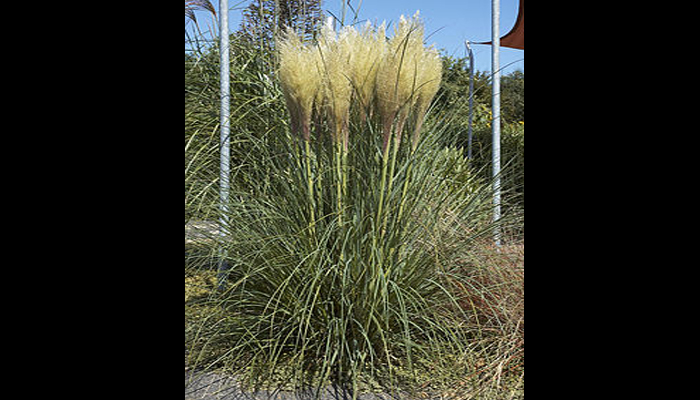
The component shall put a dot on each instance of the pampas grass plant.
(344, 260)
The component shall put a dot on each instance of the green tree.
(455, 89)
(263, 20)
(513, 88)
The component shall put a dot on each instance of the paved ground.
(217, 387)
(200, 231)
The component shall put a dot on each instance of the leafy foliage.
(264, 20)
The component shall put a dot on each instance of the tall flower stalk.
(360, 70)
(299, 75)
(408, 80)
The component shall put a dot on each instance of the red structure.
(515, 39)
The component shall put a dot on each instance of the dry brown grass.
(496, 296)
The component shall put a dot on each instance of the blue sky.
(448, 23)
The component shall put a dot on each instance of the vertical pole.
(225, 126)
(496, 70)
(470, 135)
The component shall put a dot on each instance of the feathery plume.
(429, 80)
(367, 52)
(397, 78)
(334, 53)
(300, 78)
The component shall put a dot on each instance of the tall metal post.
(496, 70)
(225, 127)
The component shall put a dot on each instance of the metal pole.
(496, 70)
(225, 127)
(470, 135)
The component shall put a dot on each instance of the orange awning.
(516, 37)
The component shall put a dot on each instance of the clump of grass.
(344, 267)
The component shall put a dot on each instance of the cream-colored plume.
(368, 48)
(397, 78)
(334, 53)
(301, 80)
(429, 81)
